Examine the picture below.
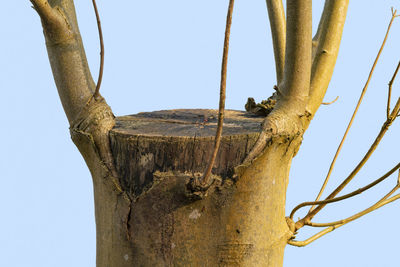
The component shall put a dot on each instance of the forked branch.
(334, 225)
(349, 195)
(43, 8)
(377, 205)
(55, 26)
(66, 54)
(293, 90)
(384, 129)
(355, 111)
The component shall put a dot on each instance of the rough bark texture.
(239, 222)
(178, 141)
(141, 165)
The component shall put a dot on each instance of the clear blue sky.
(166, 54)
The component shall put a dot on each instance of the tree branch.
(97, 91)
(67, 56)
(376, 206)
(317, 35)
(277, 22)
(297, 70)
(287, 117)
(207, 174)
(318, 235)
(328, 39)
(72, 76)
(334, 225)
(384, 129)
(390, 90)
(349, 195)
(55, 25)
(364, 90)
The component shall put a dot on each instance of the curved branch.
(349, 195)
(334, 225)
(277, 22)
(72, 75)
(364, 90)
(67, 55)
(318, 235)
(97, 90)
(338, 189)
(222, 95)
(376, 206)
(327, 41)
(331, 102)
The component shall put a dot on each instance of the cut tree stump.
(178, 141)
(156, 154)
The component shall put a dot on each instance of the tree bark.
(147, 211)
(239, 221)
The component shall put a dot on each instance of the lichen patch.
(195, 214)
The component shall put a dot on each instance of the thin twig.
(338, 224)
(384, 129)
(333, 101)
(313, 238)
(355, 111)
(349, 195)
(377, 205)
(378, 139)
(398, 178)
(390, 90)
(207, 175)
(97, 91)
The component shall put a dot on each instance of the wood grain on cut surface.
(178, 140)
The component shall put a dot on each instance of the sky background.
(164, 55)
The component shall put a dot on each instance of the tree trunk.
(149, 211)
(238, 221)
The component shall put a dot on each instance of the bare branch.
(293, 90)
(96, 92)
(390, 89)
(327, 40)
(376, 206)
(206, 177)
(277, 22)
(55, 26)
(354, 113)
(73, 78)
(349, 195)
(334, 225)
(313, 238)
(381, 134)
(317, 35)
(385, 127)
(43, 8)
(296, 80)
(67, 55)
